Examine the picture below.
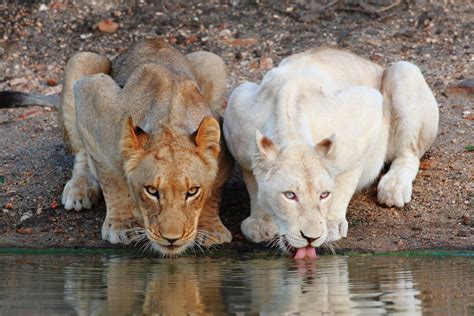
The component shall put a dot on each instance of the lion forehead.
(185, 165)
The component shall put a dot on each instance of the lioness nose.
(309, 239)
(171, 240)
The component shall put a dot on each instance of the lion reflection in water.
(130, 286)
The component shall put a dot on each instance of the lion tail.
(15, 99)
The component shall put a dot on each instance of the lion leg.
(122, 220)
(210, 225)
(259, 226)
(83, 189)
(211, 231)
(346, 185)
(413, 126)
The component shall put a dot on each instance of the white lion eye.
(192, 192)
(290, 195)
(151, 190)
(324, 195)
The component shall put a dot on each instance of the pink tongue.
(300, 253)
(311, 252)
(308, 252)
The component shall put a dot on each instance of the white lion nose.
(308, 238)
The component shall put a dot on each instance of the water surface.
(100, 284)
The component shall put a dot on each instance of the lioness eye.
(152, 191)
(193, 191)
(324, 195)
(290, 195)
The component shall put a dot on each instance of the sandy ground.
(37, 39)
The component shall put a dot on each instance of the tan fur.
(153, 123)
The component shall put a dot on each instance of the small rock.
(54, 204)
(43, 7)
(426, 164)
(466, 220)
(26, 216)
(372, 41)
(9, 205)
(225, 33)
(107, 26)
(180, 39)
(464, 88)
(18, 81)
(24, 230)
(241, 42)
(376, 58)
(51, 82)
(191, 39)
(266, 63)
(5, 211)
(462, 233)
(85, 36)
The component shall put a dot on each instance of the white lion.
(318, 128)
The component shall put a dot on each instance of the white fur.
(374, 116)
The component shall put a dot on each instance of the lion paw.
(394, 190)
(80, 192)
(337, 229)
(258, 230)
(118, 231)
(213, 234)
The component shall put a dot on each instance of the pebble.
(85, 36)
(25, 216)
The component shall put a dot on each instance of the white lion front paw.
(80, 192)
(394, 190)
(337, 229)
(118, 231)
(258, 230)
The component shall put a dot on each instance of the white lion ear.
(266, 146)
(326, 147)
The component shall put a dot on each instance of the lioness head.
(170, 177)
(295, 185)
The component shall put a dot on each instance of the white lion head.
(295, 186)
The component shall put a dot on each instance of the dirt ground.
(37, 38)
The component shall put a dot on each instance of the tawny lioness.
(144, 130)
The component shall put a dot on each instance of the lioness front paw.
(117, 231)
(394, 190)
(337, 229)
(258, 230)
(213, 233)
(80, 192)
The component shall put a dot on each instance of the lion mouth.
(308, 252)
(170, 251)
(304, 253)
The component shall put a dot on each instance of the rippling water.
(129, 285)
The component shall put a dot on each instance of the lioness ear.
(133, 139)
(266, 146)
(208, 135)
(326, 147)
